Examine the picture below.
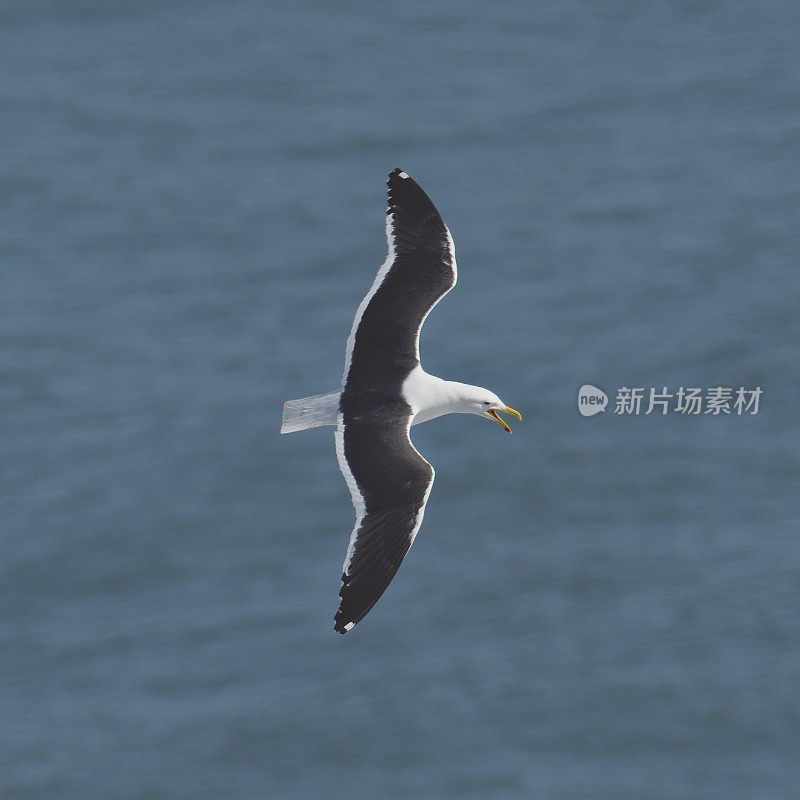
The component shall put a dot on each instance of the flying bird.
(384, 392)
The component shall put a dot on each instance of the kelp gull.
(384, 392)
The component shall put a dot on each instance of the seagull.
(384, 392)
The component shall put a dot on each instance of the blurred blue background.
(192, 205)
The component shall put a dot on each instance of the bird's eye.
(487, 402)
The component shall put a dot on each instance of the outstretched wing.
(389, 482)
(419, 270)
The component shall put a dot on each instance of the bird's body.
(384, 392)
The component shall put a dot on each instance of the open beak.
(492, 412)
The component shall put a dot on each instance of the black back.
(423, 270)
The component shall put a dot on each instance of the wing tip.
(398, 178)
(343, 629)
(397, 173)
(343, 622)
(407, 196)
(339, 624)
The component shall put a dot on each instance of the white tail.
(310, 412)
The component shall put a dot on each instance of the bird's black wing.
(419, 270)
(389, 482)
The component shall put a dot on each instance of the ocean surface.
(596, 608)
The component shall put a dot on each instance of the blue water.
(192, 203)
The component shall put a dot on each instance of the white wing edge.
(357, 497)
(376, 284)
(451, 246)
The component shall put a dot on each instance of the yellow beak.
(493, 414)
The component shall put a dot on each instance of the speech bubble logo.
(591, 400)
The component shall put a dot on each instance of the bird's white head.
(477, 400)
